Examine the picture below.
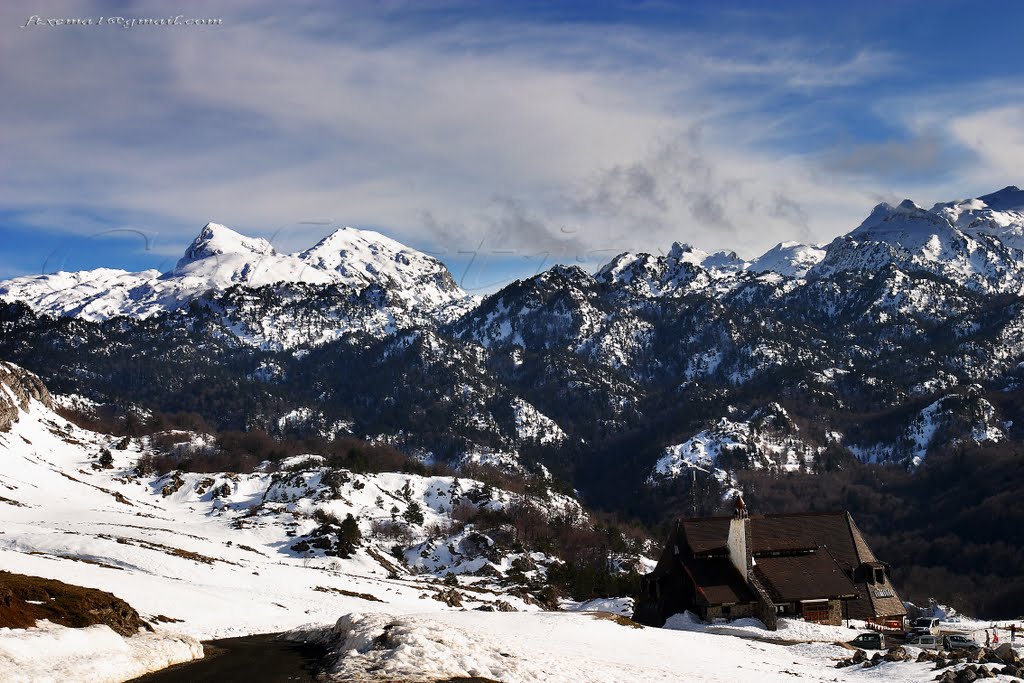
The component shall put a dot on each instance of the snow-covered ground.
(221, 562)
(593, 647)
(207, 561)
(95, 654)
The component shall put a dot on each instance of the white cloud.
(996, 136)
(574, 139)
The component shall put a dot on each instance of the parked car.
(925, 625)
(868, 641)
(958, 642)
(926, 642)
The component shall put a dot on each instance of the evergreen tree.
(413, 514)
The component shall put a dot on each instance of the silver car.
(958, 642)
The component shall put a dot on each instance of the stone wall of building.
(738, 611)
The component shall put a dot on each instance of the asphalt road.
(252, 658)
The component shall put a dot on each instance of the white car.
(926, 642)
(925, 625)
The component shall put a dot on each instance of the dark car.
(868, 641)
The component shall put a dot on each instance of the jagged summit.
(906, 217)
(967, 242)
(1009, 198)
(220, 258)
(979, 242)
(362, 257)
(791, 259)
(216, 239)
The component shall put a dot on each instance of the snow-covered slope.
(229, 553)
(683, 269)
(952, 419)
(1000, 214)
(89, 294)
(220, 258)
(360, 258)
(791, 259)
(965, 242)
(766, 439)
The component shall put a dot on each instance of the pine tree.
(349, 536)
(413, 514)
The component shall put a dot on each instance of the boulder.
(966, 676)
(896, 654)
(1006, 653)
(450, 597)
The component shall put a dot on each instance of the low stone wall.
(739, 611)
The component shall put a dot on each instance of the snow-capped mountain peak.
(681, 252)
(999, 214)
(791, 259)
(901, 221)
(723, 261)
(216, 239)
(966, 242)
(219, 258)
(350, 248)
(362, 257)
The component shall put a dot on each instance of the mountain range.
(902, 337)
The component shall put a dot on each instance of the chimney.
(740, 550)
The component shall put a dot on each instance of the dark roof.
(706, 536)
(783, 534)
(718, 581)
(807, 576)
(787, 533)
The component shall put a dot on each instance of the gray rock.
(1005, 653)
(23, 386)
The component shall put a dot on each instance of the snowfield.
(97, 654)
(593, 647)
(204, 556)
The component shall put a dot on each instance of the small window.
(879, 575)
(726, 610)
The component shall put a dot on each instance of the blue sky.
(501, 137)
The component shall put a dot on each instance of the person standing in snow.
(1013, 633)
(988, 639)
(995, 637)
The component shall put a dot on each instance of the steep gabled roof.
(707, 536)
(790, 551)
(786, 533)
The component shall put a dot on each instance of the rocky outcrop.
(17, 387)
(24, 600)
